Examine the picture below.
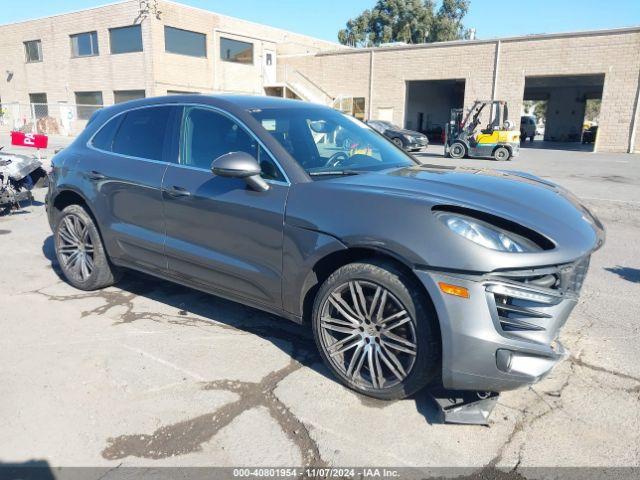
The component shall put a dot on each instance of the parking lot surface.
(148, 373)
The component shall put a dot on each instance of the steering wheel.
(336, 159)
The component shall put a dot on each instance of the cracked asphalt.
(152, 374)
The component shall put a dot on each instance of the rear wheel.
(376, 331)
(502, 154)
(80, 252)
(457, 150)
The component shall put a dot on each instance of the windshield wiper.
(334, 173)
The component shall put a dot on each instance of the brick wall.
(616, 54)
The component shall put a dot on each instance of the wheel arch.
(70, 196)
(329, 263)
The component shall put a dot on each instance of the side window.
(142, 133)
(208, 134)
(104, 138)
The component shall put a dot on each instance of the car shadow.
(626, 273)
(293, 339)
(29, 470)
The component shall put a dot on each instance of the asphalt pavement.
(148, 373)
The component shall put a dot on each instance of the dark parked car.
(403, 138)
(405, 272)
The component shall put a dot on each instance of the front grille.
(520, 310)
(524, 302)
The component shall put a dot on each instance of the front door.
(269, 67)
(222, 235)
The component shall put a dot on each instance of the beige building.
(417, 85)
(133, 49)
(55, 69)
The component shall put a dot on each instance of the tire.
(80, 252)
(502, 154)
(398, 142)
(457, 150)
(353, 337)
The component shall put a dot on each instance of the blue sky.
(323, 18)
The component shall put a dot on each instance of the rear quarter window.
(103, 140)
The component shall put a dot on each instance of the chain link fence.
(63, 119)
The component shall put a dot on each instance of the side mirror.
(240, 165)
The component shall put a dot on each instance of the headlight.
(488, 235)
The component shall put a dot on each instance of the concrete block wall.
(613, 53)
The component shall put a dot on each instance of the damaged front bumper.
(504, 335)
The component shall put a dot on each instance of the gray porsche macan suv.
(406, 273)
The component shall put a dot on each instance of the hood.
(402, 131)
(519, 197)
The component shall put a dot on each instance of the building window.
(88, 103)
(84, 44)
(39, 105)
(125, 39)
(185, 42)
(236, 51)
(120, 96)
(33, 51)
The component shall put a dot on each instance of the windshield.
(322, 141)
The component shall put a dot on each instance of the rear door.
(123, 173)
(221, 234)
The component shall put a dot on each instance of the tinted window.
(209, 134)
(142, 133)
(85, 102)
(120, 96)
(84, 44)
(236, 51)
(185, 42)
(126, 39)
(33, 51)
(104, 138)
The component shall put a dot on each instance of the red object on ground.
(33, 140)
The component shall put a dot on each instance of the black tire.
(502, 154)
(101, 273)
(458, 150)
(421, 328)
(398, 142)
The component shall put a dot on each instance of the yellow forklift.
(499, 140)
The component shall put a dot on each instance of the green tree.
(408, 21)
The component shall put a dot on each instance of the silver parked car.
(406, 273)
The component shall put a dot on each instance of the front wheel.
(398, 142)
(376, 331)
(502, 154)
(80, 252)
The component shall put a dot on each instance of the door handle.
(177, 192)
(95, 176)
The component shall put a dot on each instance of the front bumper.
(416, 144)
(504, 335)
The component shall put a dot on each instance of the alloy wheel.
(368, 335)
(75, 247)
